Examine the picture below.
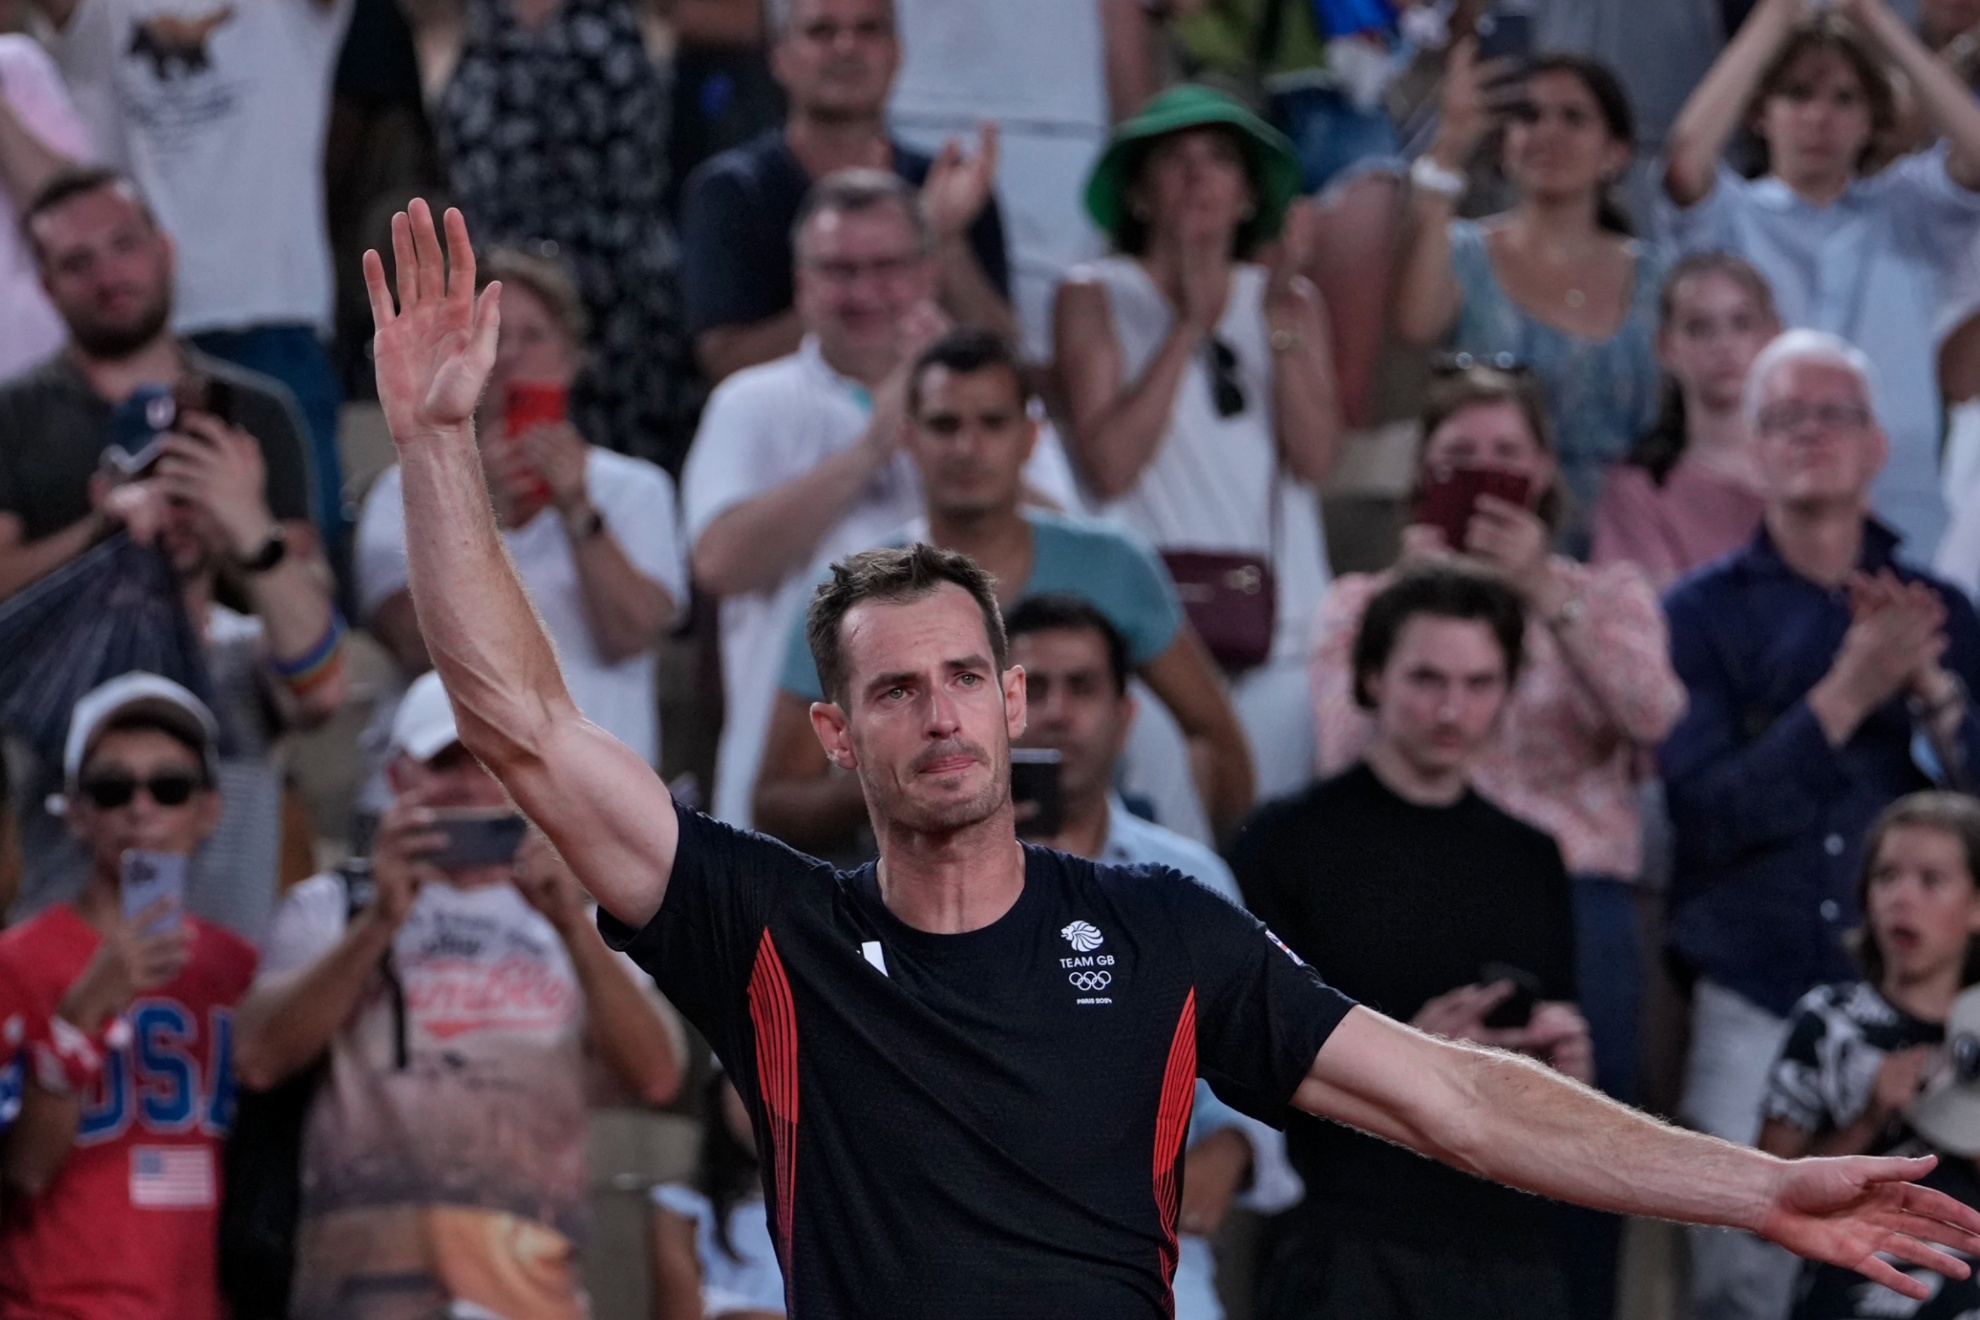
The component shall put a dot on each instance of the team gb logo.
(1083, 937)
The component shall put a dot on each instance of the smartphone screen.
(1036, 793)
(1450, 497)
(137, 430)
(477, 837)
(1505, 37)
(148, 877)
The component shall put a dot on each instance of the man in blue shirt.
(1826, 679)
(970, 435)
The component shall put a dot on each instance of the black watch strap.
(273, 550)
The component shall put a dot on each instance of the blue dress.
(1601, 394)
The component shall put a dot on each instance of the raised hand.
(1848, 1211)
(435, 351)
(958, 186)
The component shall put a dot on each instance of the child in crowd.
(1857, 1052)
(1690, 489)
(712, 1255)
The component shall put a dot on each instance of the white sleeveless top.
(1210, 484)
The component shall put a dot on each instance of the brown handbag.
(1231, 601)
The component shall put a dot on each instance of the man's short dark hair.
(850, 192)
(74, 181)
(895, 577)
(1065, 612)
(1445, 593)
(964, 352)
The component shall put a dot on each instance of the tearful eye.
(970, 680)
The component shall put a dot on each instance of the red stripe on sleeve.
(1171, 1128)
(775, 1019)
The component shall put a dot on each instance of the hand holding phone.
(1515, 1010)
(150, 878)
(1449, 498)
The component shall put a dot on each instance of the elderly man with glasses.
(1827, 678)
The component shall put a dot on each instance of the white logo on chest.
(1084, 937)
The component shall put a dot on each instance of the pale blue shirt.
(1875, 266)
(1132, 841)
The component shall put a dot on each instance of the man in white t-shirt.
(218, 110)
(800, 459)
(443, 1164)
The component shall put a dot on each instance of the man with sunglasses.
(130, 1027)
(1826, 679)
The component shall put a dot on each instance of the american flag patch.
(172, 1177)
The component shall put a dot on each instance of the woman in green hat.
(1200, 387)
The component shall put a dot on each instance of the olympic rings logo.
(1091, 981)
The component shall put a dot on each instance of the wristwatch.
(274, 548)
(1433, 178)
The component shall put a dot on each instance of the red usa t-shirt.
(128, 1228)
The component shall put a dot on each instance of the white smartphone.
(150, 876)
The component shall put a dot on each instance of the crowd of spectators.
(1635, 732)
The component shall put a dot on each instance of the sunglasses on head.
(1225, 390)
(1456, 364)
(168, 788)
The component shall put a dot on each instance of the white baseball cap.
(1947, 1112)
(424, 725)
(138, 693)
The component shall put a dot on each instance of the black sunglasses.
(1224, 388)
(172, 788)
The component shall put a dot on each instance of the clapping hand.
(434, 352)
(959, 186)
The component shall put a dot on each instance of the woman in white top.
(1200, 386)
(711, 1252)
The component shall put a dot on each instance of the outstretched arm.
(1510, 1119)
(603, 807)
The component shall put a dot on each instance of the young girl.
(1690, 489)
(712, 1255)
(1856, 1052)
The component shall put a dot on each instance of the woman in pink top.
(1596, 690)
(1688, 492)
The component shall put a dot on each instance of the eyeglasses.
(880, 268)
(170, 788)
(1225, 391)
(1784, 418)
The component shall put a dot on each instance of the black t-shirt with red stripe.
(987, 1124)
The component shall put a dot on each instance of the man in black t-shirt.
(969, 1066)
(1412, 892)
(836, 61)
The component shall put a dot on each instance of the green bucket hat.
(1189, 105)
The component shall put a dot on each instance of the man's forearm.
(1545, 1133)
(479, 627)
(759, 542)
(280, 1029)
(968, 294)
(626, 611)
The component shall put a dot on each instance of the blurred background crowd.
(1491, 485)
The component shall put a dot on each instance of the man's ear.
(834, 734)
(1015, 711)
